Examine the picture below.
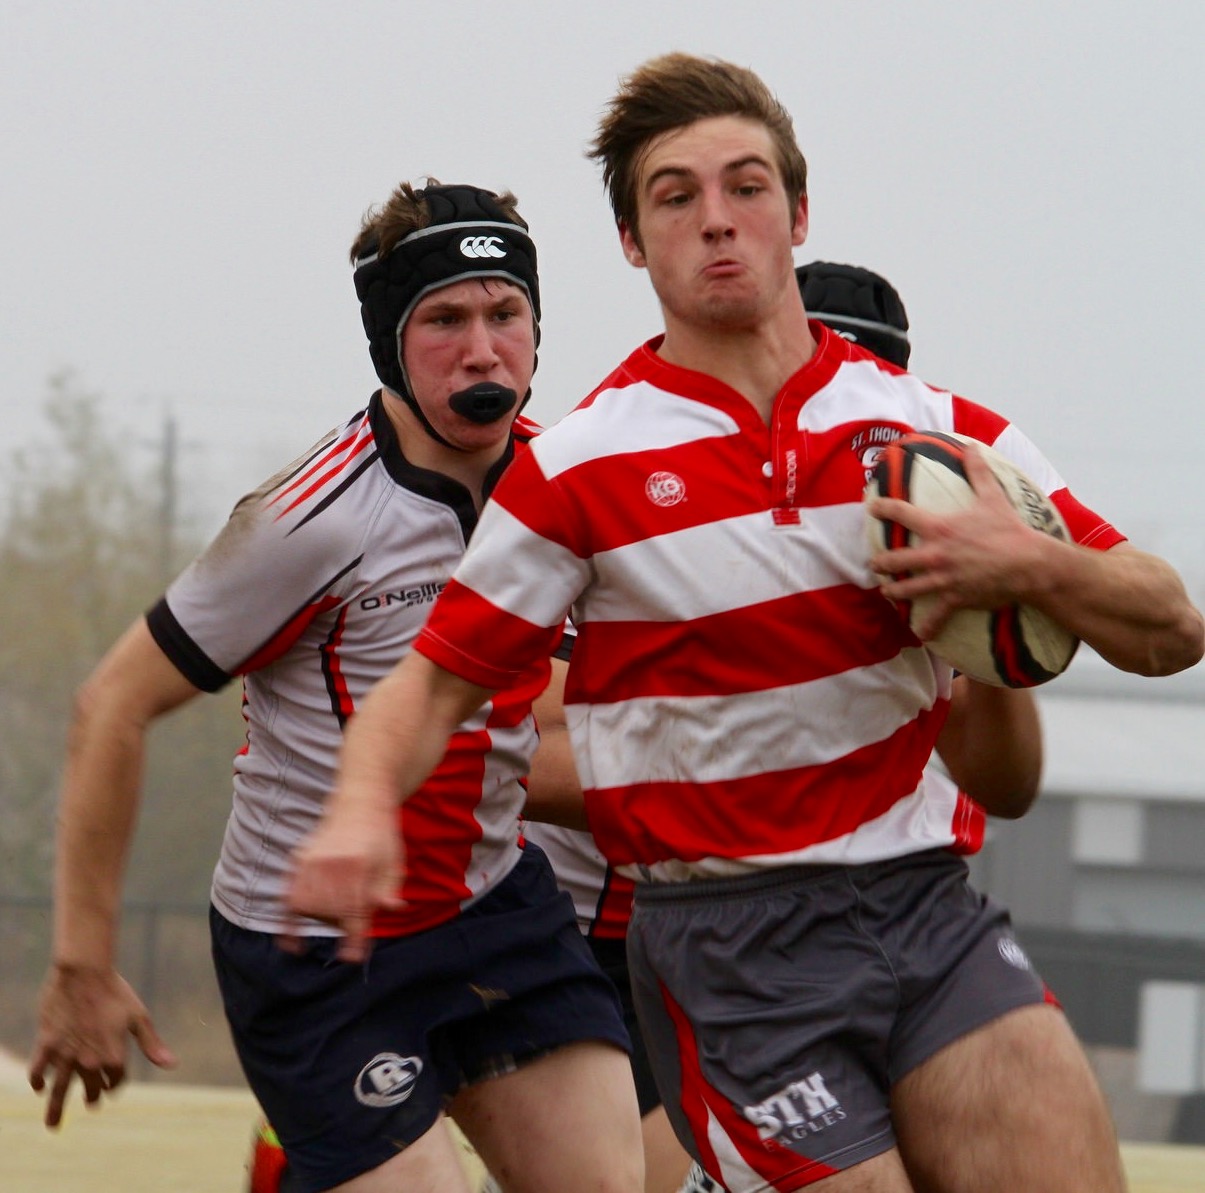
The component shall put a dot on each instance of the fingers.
(979, 472)
(58, 1095)
(935, 619)
(288, 940)
(86, 1016)
(38, 1064)
(354, 945)
(153, 1048)
(907, 515)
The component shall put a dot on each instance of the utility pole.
(168, 480)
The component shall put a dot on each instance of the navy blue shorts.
(612, 956)
(351, 1063)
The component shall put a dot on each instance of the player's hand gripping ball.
(1016, 646)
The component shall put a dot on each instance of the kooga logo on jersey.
(483, 246)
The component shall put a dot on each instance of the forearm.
(1130, 607)
(554, 794)
(992, 746)
(399, 735)
(98, 810)
(98, 807)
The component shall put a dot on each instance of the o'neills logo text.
(423, 594)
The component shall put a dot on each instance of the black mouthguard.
(484, 403)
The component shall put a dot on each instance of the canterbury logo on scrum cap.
(482, 246)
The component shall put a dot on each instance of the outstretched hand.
(349, 868)
(982, 557)
(84, 1018)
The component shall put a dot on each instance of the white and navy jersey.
(602, 899)
(740, 694)
(315, 588)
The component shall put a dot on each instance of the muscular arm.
(86, 1010)
(1130, 607)
(991, 744)
(350, 865)
(554, 793)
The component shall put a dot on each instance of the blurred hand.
(347, 869)
(84, 1018)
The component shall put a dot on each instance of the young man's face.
(463, 334)
(716, 229)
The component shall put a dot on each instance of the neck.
(756, 362)
(470, 467)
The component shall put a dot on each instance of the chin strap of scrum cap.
(469, 236)
(859, 305)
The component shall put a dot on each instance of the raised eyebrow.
(676, 172)
(683, 173)
(754, 159)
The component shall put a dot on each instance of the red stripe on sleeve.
(480, 631)
(969, 824)
(1087, 528)
(285, 637)
(976, 421)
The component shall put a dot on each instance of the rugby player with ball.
(824, 997)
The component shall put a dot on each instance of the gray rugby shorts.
(779, 1008)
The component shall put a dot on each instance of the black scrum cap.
(859, 305)
(469, 236)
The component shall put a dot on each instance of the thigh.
(1012, 1105)
(431, 1164)
(883, 1173)
(766, 1010)
(568, 1120)
(666, 1162)
(340, 1068)
(612, 958)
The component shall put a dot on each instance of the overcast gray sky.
(181, 183)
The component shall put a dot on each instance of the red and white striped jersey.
(740, 694)
(315, 588)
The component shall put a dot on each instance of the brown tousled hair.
(406, 211)
(672, 91)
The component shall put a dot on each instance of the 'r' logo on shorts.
(1012, 952)
(387, 1079)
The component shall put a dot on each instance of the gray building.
(1105, 878)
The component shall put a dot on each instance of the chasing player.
(479, 998)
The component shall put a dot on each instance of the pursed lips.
(723, 266)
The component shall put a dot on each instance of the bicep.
(136, 680)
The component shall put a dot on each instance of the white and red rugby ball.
(1016, 646)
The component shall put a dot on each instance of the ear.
(631, 247)
(799, 229)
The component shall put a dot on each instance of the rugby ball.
(1016, 646)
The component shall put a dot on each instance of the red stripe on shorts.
(783, 1169)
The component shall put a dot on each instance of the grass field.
(179, 1139)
